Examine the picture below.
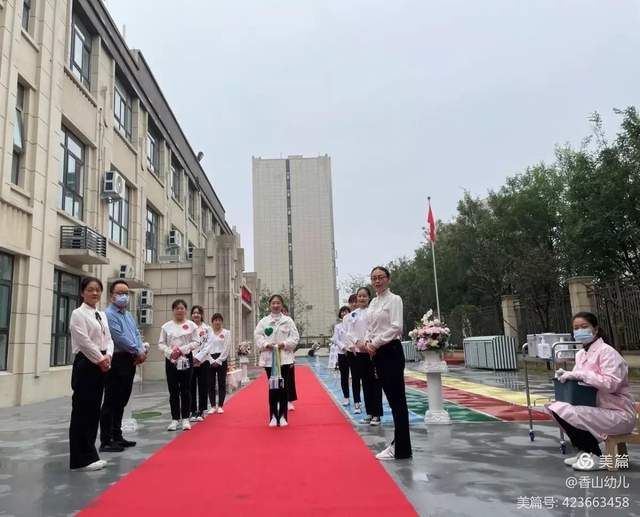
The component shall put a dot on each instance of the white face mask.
(583, 335)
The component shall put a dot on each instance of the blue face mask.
(583, 335)
(121, 300)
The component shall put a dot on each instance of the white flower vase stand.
(434, 367)
(244, 365)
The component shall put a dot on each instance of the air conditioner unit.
(78, 239)
(145, 298)
(126, 271)
(113, 187)
(175, 239)
(145, 317)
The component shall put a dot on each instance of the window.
(71, 174)
(66, 297)
(6, 283)
(122, 110)
(173, 249)
(81, 52)
(206, 217)
(26, 13)
(190, 248)
(151, 253)
(176, 183)
(18, 136)
(119, 219)
(192, 200)
(153, 153)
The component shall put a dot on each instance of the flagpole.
(435, 272)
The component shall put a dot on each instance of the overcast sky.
(410, 98)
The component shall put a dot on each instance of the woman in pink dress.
(601, 366)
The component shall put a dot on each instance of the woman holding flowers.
(356, 327)
(178, 339)
(276, 338)
(200, 380)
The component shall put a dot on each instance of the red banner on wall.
(246, 295)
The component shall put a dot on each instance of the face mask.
(583, 335)
(121, 300)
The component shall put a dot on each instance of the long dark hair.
(364, 288)
(343, 309)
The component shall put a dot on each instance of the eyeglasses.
(378, 277)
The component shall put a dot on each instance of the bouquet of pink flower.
(430, 333)
(244, 348)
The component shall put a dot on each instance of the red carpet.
(234, 464)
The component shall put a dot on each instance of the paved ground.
(465, 469)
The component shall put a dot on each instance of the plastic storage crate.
(575, 393)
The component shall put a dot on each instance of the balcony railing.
(81, 245)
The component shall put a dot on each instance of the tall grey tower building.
(294, 249)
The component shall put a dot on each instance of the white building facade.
(97, 178)
(294, 248)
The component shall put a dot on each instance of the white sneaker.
(96, 465)
(375, 421)
(366, 420)
(291, 407)
(283, 422)
(345, 402)
(211, 411)
(200, 418)
(192, 418)
(173, 425)
(185, 424)
(570, 461)
(273, 422)
(588, 462)
(220, 410)
(357, 410)
(388, 454)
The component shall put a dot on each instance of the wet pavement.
(469, 468)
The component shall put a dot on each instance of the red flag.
(432, 225)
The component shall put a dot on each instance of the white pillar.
(435, 367)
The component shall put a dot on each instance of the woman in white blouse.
(178, 339)
(383, 344)
(356, 328)
(343, 363)
(93, 348)
(277, 331)
(200, 379)
(220, 347)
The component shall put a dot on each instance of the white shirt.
(203, 348)
(338, 337)
(221, 344)
(183, 335)
(89, 334)
(284, 330)
(356, 325)
(385, 319)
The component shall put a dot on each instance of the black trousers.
(200, 384)
(370, 385)
(179, 384)
(582, 440)
(291, 389)
(218, 379)
(87, 383)
(356, 376)
(389, 363)
(278, 403)
(117, 390)
(343, 366)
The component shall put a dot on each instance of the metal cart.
(561, 352)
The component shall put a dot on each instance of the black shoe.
(111, 447)
(124, 443)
